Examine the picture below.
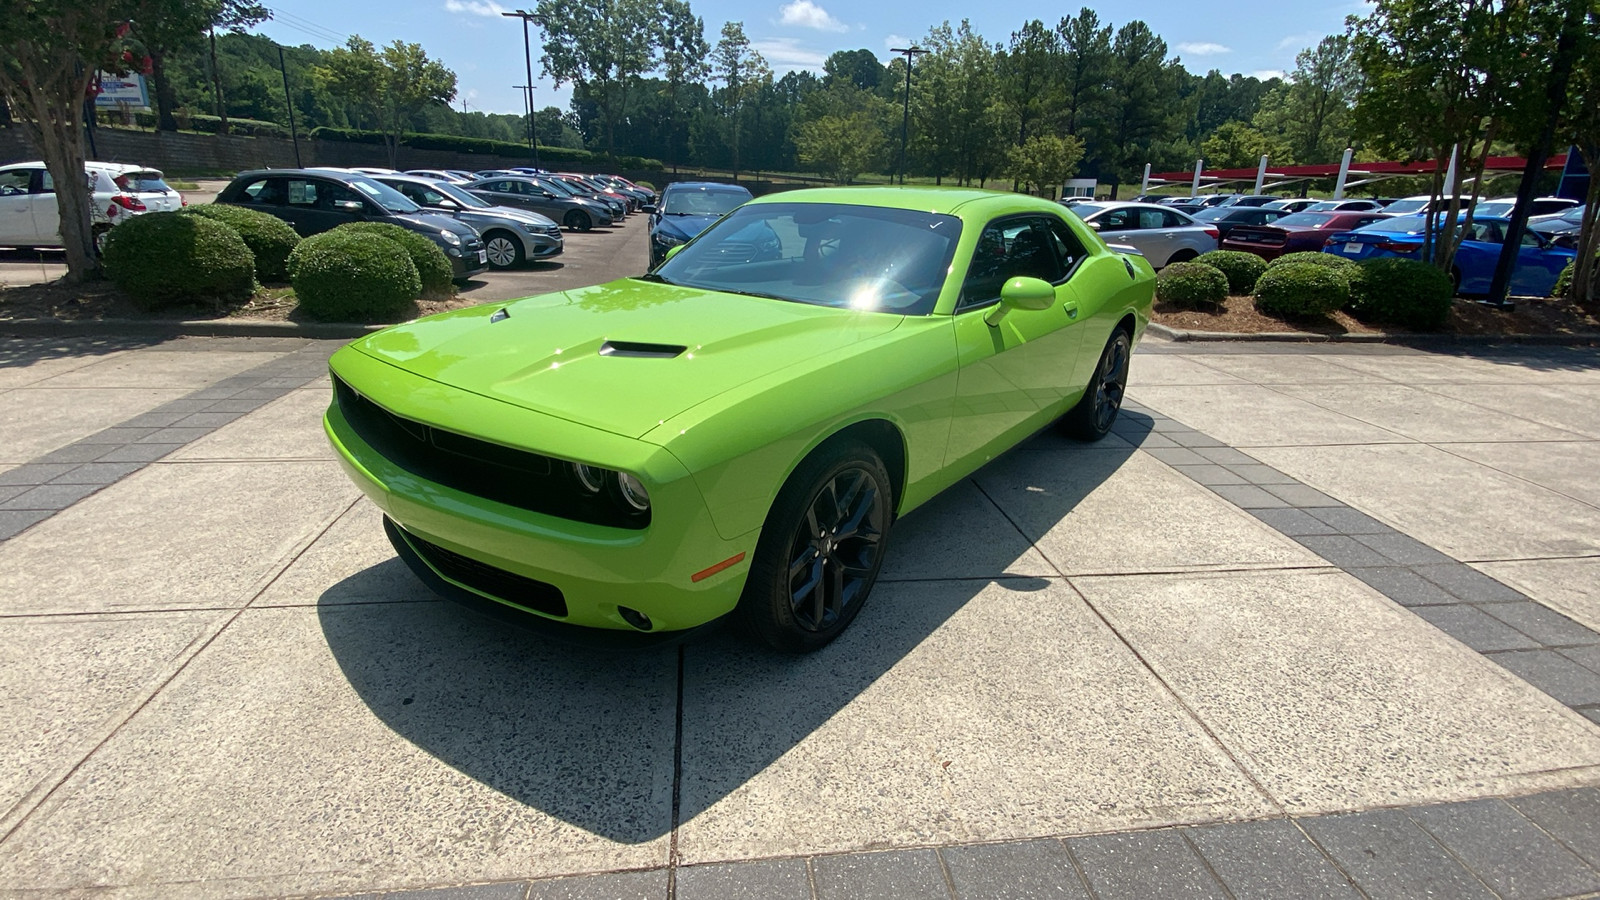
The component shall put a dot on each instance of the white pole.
(1344, 172)
(1194, 189)
(1261, 174)
(1450, 173)
(1144, 187)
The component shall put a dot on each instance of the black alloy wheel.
(820, 550)
(1096, 412)
(577, 220)
(503, 250)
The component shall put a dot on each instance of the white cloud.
(788, 55)
(1267, 74)
(475, 7)
(806, 14)
(895, 40)
(1203, 48)
(1298, 42)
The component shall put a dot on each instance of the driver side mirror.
(1022, 293)
(447, 203)
(671, 252)
(1094, 225)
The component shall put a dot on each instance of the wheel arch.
(883, 436)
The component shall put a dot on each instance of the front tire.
(820, 550)
(577, 220)
(504, 250)
(1097, 410)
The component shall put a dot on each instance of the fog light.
(635, 618)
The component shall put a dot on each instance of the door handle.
(1071, 306)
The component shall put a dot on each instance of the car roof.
(334, 174)
(947, 200)
(705, 186)
(118, 168)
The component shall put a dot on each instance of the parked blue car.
(1539, 261)
(688, 208)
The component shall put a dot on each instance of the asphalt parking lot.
(1316, 621)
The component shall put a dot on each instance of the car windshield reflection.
(826, 254)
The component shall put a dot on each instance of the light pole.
(905, 121)
(527, 59)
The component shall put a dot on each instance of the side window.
(329, 195)
(1152, 218)
(1170, 219)
(14, 182)
(1529, 239)
(302, 193)
(1006, 250)
(1118, 220)
(47, 184)
(266, 191)
(1068, 248)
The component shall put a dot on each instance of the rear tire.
(820, 549)
(577, 220)
(503, 249)
(1097, 410)
(1183, 256)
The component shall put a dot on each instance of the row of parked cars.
(1357, 229)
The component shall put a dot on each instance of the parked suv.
(510, 236)
(317, 200)
(30, 216)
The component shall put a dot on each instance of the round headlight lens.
(450, 238)
(633, 492)
(591, 479)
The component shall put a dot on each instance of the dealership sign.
(116, 90)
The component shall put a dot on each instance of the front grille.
(483, 469)
(508, 586)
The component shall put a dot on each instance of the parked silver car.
(1161, 234)
(510, 236)
(523, 192)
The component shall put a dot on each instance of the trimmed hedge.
(433, 267)
(1191, 284)
(1406, 292)
(1301, 289)
(483, 146)
(270, 238)
(1241, 268)
(1326, 260)
(170, 259)
(1564, 280)
(352, 276)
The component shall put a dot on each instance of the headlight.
(668, 240)
(589, 478)
(450, 238)
(633, 492)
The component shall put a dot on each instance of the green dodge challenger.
(737, 431)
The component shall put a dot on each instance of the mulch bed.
(101, 300)
(1530, 315)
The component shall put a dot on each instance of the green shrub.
(1327, 260)
(1564, 280)
(1191, 284)
(1242, 269)
(352, 276)
(433, 267)
(268, 237)
(1406, 292)
(1301, 289)
(169, 259)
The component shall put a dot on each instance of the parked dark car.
(510, 236)
(1562, 230)
(688, 208)
(317, 200)
(1225, 218)
(1296, 233)
(525, 192)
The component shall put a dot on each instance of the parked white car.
(1162, 235)
(29, 216)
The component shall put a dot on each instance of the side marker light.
(728, 563)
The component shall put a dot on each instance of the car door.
(46, 209)
(1015, 373)
(1120, 226)
(16, 208)
(1539, 264)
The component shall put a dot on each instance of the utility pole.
(905, 120)
(527, 60)
(289, 102)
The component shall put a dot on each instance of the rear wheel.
(1455, 281)
(1097, 411)
(577, 220)
(1182, 256)
(820, 549)
(503, 249)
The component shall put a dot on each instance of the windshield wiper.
(653, 278)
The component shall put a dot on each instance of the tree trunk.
(1585, 270)
(166, 97)
(51, 109)
(216, 84)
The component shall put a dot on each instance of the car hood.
(505, 213)
(546, 353)
(684, 226)
(435, 223)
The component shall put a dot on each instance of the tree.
(1044, 161)
(1086, 56)
(742, 72)
(1235, 145)
(1583, 122)
(858, 68)
(1316, 103)
(1141, 81)
(49, 51)
(603, 45)
(395, 83)
(842, 146)
(683, 60)
(1026, 70)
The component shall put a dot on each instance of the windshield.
(1305, 220)
(555, 186)
(387, 197)
(1406, 207)
(1495, 208)
(1324, 206)
(703, 203)
(825, 254)
(458, 195)
(1403, 224)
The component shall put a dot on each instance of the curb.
(182, 328)
(1307, 337)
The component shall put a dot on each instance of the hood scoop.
(640, 350)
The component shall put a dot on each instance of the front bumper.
(595, 568)
(467, 260)
(541, 246)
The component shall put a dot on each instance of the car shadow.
(588, 736)
(22, 351)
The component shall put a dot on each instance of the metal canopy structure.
(1364, 173)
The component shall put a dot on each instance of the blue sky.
(1257, 37)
